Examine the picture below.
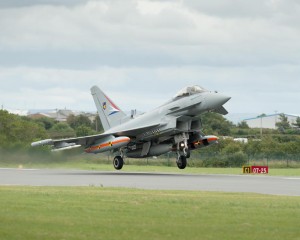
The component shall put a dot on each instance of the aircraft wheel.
(181, 162)
(118, 162)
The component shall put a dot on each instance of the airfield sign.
(255, 169)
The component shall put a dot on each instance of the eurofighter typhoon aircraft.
(173, 127)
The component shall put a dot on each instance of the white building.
(18, 112)
(61, 115)
(268, 121)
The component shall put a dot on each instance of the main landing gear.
(118, 162)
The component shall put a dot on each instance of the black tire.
(181, 162)
(118, 162)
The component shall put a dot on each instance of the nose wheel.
(181, 162)
(118, 162)
(183, 152)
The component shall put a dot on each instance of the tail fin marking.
(110, 114)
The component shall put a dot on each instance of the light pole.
(261, 126)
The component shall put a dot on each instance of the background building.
(60, 115)
(268, 121)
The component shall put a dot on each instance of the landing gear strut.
(183, 151)
(118, 162)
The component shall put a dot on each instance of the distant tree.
(61, 130)
(214, 123)
(45, 122)
(243, 124)
(262, 115)
(15, 130)
(71, 120)
(297, 123)
(253, 147)
(76, 121)
(84, 131)
(232, 147)
(96, 125)
(283, 124)
(61, 126)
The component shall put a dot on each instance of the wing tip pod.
(42, 143)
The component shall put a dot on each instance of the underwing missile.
(205, 141)
(72, 146)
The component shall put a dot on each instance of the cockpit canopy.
(187, 91)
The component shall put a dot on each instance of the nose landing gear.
(181, 162)
(183, 152)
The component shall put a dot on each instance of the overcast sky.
(142, 52)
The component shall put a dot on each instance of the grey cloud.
(28, 3)
(283, 12)
(256, 89)
(139, 58)
(88, 59)
(246, 49)
(236, 8)
(117, 34)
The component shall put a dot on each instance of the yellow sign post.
(247, 169)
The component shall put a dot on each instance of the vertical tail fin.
(110, 114)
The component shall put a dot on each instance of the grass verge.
(83, 165)
(106, 213)
(104, 163)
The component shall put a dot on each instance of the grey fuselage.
(175, 116)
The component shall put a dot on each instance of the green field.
(144, 168)
(108, 213)
(102, 162)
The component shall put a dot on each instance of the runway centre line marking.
(292, 178)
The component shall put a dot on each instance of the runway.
(289, 186)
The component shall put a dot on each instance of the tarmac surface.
(289, 186)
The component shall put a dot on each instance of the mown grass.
(104, 163)
(107, 213)
(81, 165)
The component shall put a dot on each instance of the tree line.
(18, 132)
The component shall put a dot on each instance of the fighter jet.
(173, 127)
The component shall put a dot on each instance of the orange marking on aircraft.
(208, 139)
(103, 145)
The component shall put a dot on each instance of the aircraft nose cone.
(216, 100)
(223, 99)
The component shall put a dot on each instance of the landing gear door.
(146, 148)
